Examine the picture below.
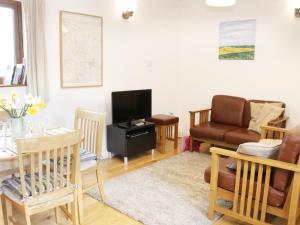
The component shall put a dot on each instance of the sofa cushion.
(289, 152)
(265, 148)
(211, 130)
(228, 110)
(226, 180)
(240, 136)
(162, 119)
(247, 110)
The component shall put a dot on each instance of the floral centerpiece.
(17, 110)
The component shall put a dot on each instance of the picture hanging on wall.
(237, 40)
(81, 46)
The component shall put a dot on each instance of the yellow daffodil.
(14, 95)
(41, 105)
(32, 110)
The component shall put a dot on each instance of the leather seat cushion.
(240, 136)
(211, 130)
(226, 180)
(162, 119)
(228, 110)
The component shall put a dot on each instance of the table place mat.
(56, 131)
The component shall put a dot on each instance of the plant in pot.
(17, 111)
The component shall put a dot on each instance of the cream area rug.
(168, 192)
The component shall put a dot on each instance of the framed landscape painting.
(81, 46)
(237, 40)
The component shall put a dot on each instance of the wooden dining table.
(9, 153)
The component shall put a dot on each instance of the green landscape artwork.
(237, 40)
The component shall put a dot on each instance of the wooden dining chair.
(91, 125)
(3, 115)
(40, 189)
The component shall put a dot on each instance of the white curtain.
(36, 61)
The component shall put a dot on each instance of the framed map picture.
(81, 50)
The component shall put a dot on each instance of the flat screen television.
(128, 106)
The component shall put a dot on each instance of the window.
(11, 39)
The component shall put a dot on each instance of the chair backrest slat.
(68, 172)
(91, 124)
(32, 173)
(61, 169)
(48, 170)
(50, 153)
(40, 163)
(55, 168)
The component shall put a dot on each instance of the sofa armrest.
(268, 132)
(262, 161)
(280, 122)
(203, 116)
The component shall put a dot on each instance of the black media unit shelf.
(127, 140)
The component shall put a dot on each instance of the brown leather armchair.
(271, 186)
(226, 123)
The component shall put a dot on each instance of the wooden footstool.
(166, 128)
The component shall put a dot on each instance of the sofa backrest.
(289, 152)
(247, 110)
(227, 110)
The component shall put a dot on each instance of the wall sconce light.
(127, 8)
(127, 14)
(297, 12)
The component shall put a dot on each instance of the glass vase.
(18, 127)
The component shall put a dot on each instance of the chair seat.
(85, 155)
(162, 119)
(12, 186)
(87, 160)
(226, 180)
(211, 130)
(240, 136)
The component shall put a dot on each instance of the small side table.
(166, 128)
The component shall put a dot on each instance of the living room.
(172, 48)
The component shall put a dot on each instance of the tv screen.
(128, 106)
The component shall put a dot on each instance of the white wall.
(128, 47)
(180, 37)
(274, 74)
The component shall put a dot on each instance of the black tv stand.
(128, 139)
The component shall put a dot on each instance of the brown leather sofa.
(281, 195)
(226, 123)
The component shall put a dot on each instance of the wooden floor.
(97, 213)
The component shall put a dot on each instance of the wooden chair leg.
(1, 212)
(8, 206)
(176, 137)
(74, 209)
(163, 139)
(213, 185)
(56, 214)
(27, 216)
(191, 143)
(158, 136)
(292, 219)
(100, 182)
(79, 203)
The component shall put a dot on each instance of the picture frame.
(81, 50)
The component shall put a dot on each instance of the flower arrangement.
(11, 104)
